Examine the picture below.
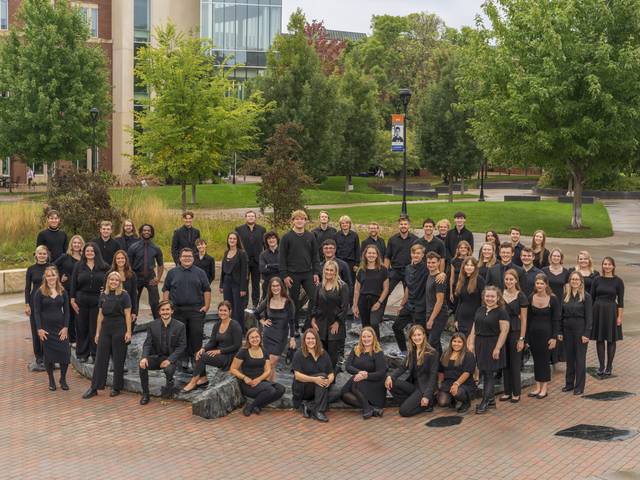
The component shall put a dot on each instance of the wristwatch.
(521, 339)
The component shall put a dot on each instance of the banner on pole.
(397, 133)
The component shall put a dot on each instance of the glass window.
(4, 15)
(141, 20)
(6, 166)
(205, 20)
(90, 15)
(229, 27)
(241, 27)
(252, 27)
(241, 57)
(263, 33)
(218, 25)
(137, 88)
(276, 23)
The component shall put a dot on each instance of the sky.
(355, 15)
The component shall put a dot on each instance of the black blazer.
(426, 373)
(177, 339)
(495, 276)
(240, 273)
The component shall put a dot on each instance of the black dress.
(52, 315)
(543, 324)
(33, 280)
(372, 388)
(283, 326)
(541, 259)
(264, 392)
(331, 306)
(468, 304)
(557, 282)
(608, 297)
(452, 373)
(487, 331)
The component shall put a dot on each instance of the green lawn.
(553, 217)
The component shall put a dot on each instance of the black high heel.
(52, 386)
(63, 384)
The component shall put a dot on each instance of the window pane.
(141, 20)
(205, 20)
(241, 22)
(4, 15)
(263, 40)
(94, 22)
(218, 25)
(229, 27)
(252, 27)
(276, 23)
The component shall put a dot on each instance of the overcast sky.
(355, 15)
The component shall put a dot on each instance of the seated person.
(165, 344)
(252, 368)
(457, 366)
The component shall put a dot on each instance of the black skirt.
(484, 354)
(605, 328)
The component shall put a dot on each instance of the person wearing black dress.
(52, 237)
(33, 281)
(577, 321)
(128, 235)
(487, 338)
(495, 275)
(348, 246)
(252, 239)
(368, 368)
(398, 254)
(224, 343)
(371, 289)
(431, 243)
(458, 234)
(330, 308)
(269, 260)
(516, 304)
(607, 292)
(543, 328)
(106, 244)
(486, 259)
(468, 295)
(557, 275)
(234, 280)
(492, 237)
(540, 252)
(51, 312)
(129, 281)
(529, 270)
(205, 261)
(65, 265)
(415, 394)
(374, 239)
(277, 318)
(324, 231)
(113, 333)
(252, 368)
(462, 251)
(87, 283)
(145, 258)
(184, 237)
(457, 366)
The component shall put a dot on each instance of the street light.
(405, 98)
(483, 168)
(94, 148)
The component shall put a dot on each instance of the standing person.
(277, 318)
(492, 237)
(65, 265)
(458, 234)
(184, 237)
(324, 231)
(106, 244)
(129, 281)
(188, 289)
(487, 338)
(145, 257)
(514, 238)
(443, 226)
(432, 243)
(529, 269)
(348, 246)
(299, 265)
(540, 252)
(487, 258)
(252, 240)
(371, 289)
(468, 294)
(607, 292)
(436, 311)
(224, 343)
(205, 261)
(330, 308)
(269, 260)
(163, 348)
(556, 273)
(585, 267)
(30, 177)
(33, 281)
(87, 283)
(313, 376)
(128, 235)
(398, 254)
(374, 239)
(51, 313)
(368, 368)
(234, 279)
(462, 251)
(252, 368)
(53, 237)
(543, 328)
(328, 255)
(113, 332)
(576, 325)
(495, 275)
(516, 303)
(415, 394)
(457, 365)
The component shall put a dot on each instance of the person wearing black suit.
(252, 238)
(107, 245)
(52, 237)
(495, 275)
(184, 237)
(234, 277)
(164, 346)
(269, 260)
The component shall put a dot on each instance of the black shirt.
(530, 277)
(517, 250)
(33, 280)
(165, 349)
(513, 308)
(65, 264)
(487, 324)
(377, 242)
(55, 240)
(207, 264)
(399, 250)
(432, 290)
(186, 286)
(308, 366)
(348, 247)
(107, 249)
(270, 263)
(372, 281)
(298, 254)
(86, 280)
(136, 255)
(125, 241)
(577, 314)
(416, 280)
(452, 371)
(251, 367)
(184, 237)
(322, 235)
(541, 259)
(228, 342)
(495, 276)
(435, 245)
(113, 306)
(252, 241)
(454, 237)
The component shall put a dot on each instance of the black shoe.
(600, 372)
(540, 396)
(378, 412)
(114, 393)
(514, 400)
(368, 414)
(144, 399)
(63, 384)
(482, 407)
(429, 409)
(247, 410)
(256, 410)
(321, 417)
(464, 407)
(89, 393)
(607, 372)
(492, 403)
(52, 386)
(305, 411)
(505, 398)
(578, 392)
(567, 388)
(533, 394)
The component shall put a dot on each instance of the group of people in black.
(509, 299)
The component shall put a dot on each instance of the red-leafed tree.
(328, 49)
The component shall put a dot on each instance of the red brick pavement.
(46, 435)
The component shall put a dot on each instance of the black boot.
(144, 399)
(482, 407)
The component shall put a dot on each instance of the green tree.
(53, 78)
(554, 82)
(194, 117)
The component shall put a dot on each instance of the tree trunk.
(193, 193)
(450, 188)
(462, 185)
(183, 195)
(347, 183)
(576, 217)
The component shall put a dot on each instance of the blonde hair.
(44, 286)
(299, 213)
(375, 347)
(444, 221)
(118, 289)
(41, 248)
(106, 223)
(492, 288)
(422, 351)
(567, 287)
(492, 261)
(336, 282)
(345, 218)
(554, 250)
(79, 237)
(586, 254)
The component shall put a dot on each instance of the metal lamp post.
(483, 168)
(405, 98)
(94, 148)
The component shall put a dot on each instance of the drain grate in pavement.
(608, 395)
(444, 421)
(597, 433)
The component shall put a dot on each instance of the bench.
(522, 198)
(585, 200)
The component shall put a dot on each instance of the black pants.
(539, 341)
(254, 281)
(221, 361)
(406, 317)
(334, 348)
(152, 292)
(576, 354)
(489, 382)
(511, 373)
(110, 344)
(231, 293)
(193, 320)
(445, 399)
(367, 317)
(435, 333)
(153, 363)
(263, 394)
(87, 321)
(35, 339)
(305, 391)
(304, 280)
(409, 397)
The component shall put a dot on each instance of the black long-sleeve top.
(423, 376)
(86, 280)
(169, 341)
(299, 254)
(415, 276)
(137, 258)
(576, 311)
(65, 265)
(495, 275)
(541, 259)
(517, 250)
(322, 235)
(33, 280)
(270, 263)
(46, 306)
(55, 240)
(331, 306)
(610, 289)
(237, 268)
(228, 342)
(252, 241)
(454, 237)
(263, 312)
(124, 242)
(374, 364)
(399, 250)
(552, 313)
(107, 248)
(186, 286)
(183, 237)
(207, 264)
(307, 365)
(348, 247)
(376, 242)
